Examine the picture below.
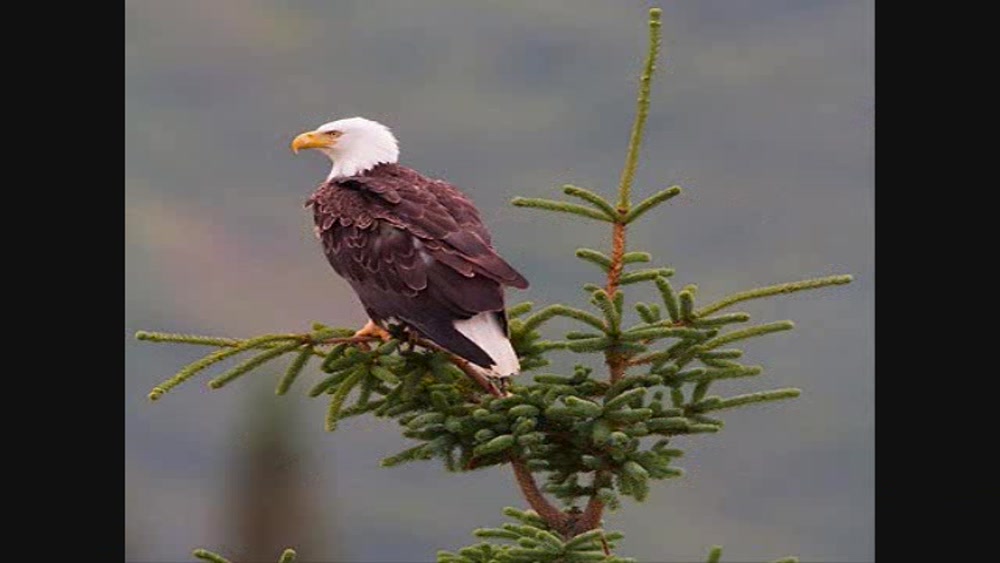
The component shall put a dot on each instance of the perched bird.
(413, 248)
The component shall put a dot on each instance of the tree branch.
(467, 368)
(591, 517)
(642, 110)
(555, 518)
(616, 362)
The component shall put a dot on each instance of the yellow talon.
(372, 329)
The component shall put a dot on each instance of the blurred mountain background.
(764, 114)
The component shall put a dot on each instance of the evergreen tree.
(593, 437)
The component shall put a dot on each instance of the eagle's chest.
(366, 247)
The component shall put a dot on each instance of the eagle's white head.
(355, 145)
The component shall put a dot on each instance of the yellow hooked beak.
(313, 140)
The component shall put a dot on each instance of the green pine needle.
(651, 202)
(669, 298)
(206, 555)
(584, 540)
(779, 289)
(190, 371)
(734, 372)
(653, 333)
(330, 382)
(715, 554)
(519, 309)
(561, 207)
(647, 313)
(611, 314)
(625, 398)
(721, 320)
(636, 257)
(337, 401)
(529, 517)
(721, 354)
(339, 356)
(645, 275)
(496, 445)
(700, 389)
(294, 369)
(677, 396)
(496, 533)
(592, 198)
(685, 300)
(251, 364)
(410, 454)
(551, 311)
(194, 368)
(287, 556)
(580, 335)
(583, 407)
(385, 375)
(751, 332)
(594, 257)
(759, 397)
(668, 424)
(147, 336)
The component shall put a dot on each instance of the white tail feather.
(485, 330)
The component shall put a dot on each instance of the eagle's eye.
(334, 134)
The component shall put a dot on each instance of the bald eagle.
(413, 248)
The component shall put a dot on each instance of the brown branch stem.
(618, 363)
(615, 361)
(591, 517)
(555, 518)
(466, 367)
(617, 255)
(477, 376)
(343, 340)
(641, 361)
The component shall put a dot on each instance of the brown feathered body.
(416, 252)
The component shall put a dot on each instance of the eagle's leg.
(413, 338)
(373, 330)
(407, 335)
(502, 383)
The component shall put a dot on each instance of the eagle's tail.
(486, 331)
(480, 339)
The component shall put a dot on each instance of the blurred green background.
(764, 114)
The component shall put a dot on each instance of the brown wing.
(443, 218)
